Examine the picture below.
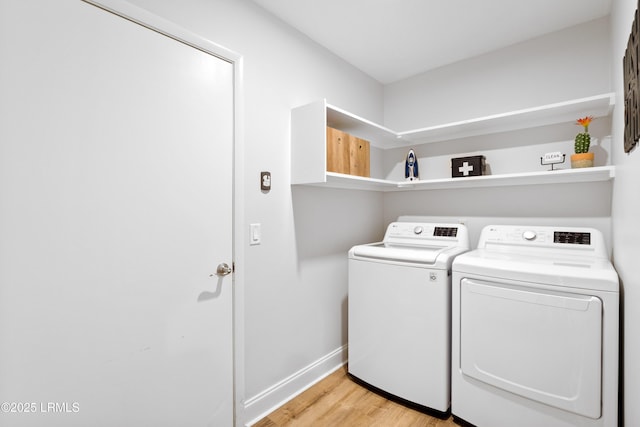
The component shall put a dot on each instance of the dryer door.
(539, 344)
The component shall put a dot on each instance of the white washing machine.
(400, 313)
(535, 330)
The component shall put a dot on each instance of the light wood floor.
(337, 401)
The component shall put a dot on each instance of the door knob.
(223, 269)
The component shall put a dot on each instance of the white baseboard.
(262, 404)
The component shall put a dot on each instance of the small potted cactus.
(582, 157)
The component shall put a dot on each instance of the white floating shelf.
(378, 136)
(382, 137)
(308, 144)
(561, 112)
(352, 182)
(560, 176)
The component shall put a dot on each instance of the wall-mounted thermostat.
(265, 181)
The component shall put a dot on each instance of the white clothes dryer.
(400, 313)
(535, 324)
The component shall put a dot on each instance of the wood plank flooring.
(337, 401)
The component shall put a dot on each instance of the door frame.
(167, 28)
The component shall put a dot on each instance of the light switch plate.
(254, 234)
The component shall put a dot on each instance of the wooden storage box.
(347, 154)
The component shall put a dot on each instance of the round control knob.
(418, 230)
(529, 235)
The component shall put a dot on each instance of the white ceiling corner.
(394, 39)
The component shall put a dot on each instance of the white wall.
(568, 64)
(564, 65)
(293, 286)
(506, 152)
(295, 283)
(572, 63)
(625, 212)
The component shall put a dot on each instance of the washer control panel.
(422, 233)
(445, 231)
(572, 237)
(400, 229)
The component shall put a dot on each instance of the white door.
(115, 208)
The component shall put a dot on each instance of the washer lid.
(403, 253)
(417, 243)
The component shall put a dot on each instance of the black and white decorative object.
(631, 79)
(265, 181)
(411, 167)
(552, 159)
(468, 166)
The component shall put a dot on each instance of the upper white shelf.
(378, 136)
(560, 112)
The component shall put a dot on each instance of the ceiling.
(394, 39)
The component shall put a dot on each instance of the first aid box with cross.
(468, 166)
